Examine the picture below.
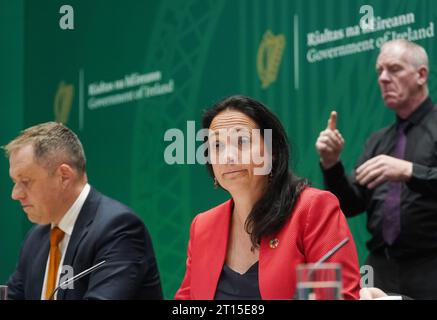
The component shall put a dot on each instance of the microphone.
(330, 253)
(325, 257)
(77, 277)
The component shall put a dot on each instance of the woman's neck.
(244, 203)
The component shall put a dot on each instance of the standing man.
(395, 179)
(77, 227)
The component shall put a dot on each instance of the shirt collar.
(417, 116)
(69, 219)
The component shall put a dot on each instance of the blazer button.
(274, 243)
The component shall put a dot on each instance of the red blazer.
(315, 227)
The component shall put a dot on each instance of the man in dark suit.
(77, 227)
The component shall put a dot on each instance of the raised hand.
(330, 143)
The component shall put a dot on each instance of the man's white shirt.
(66, 224)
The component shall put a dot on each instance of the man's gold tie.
(56, 236)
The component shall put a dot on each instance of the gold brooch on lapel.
(274, 243)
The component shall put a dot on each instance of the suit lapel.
(39, 264)
(217, 242)
(80, 230)
(265, 266)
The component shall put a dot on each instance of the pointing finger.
(332, 122)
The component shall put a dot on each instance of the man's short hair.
(53, 144)
(416, 54)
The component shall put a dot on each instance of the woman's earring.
(215, 183)
(270, 176)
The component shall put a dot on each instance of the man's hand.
(330, 143)
(371, 293)
(383, 168)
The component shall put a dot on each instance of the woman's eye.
(243, 140)
(216, 144)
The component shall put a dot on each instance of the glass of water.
(3, 292)
(319, 281)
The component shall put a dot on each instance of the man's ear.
(423, 75)
(66, 173)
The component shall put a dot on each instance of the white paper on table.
(389, 298)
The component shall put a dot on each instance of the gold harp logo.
(63, 102)
(269, 57)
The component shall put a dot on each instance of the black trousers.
(415, 277)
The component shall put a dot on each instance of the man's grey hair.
(53, 144)
(416, 54)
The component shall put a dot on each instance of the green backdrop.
(190, 53)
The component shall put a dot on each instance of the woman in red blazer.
(249, 246)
